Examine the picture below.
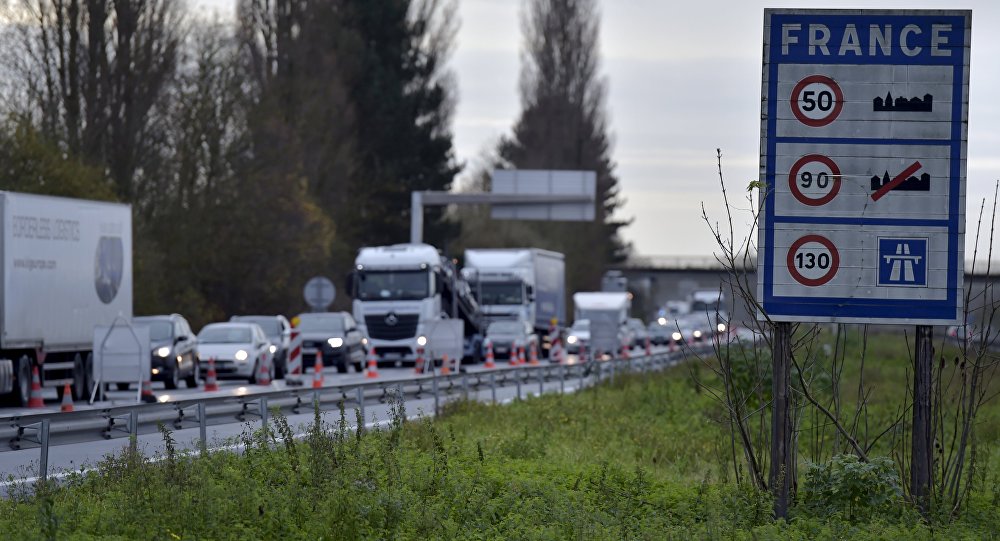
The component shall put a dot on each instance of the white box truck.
(608, 316)
(67, 268)
(400, 291)
(528, 284)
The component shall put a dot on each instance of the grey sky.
(685, 79)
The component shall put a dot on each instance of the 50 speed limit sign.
(817, 100)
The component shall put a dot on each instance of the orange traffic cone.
(211, 379)
(67, 401)
(625, 350)
(147, 395)
(534, 355)
(556, 353)
(35, 399)
(318, 371)
(372, 371)
(445, 369)
(264, 375)
(419, 364)
(490, 362)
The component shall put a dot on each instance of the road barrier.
(94, 424)
(294, 370)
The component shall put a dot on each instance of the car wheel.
(192, 380)
(173, 379)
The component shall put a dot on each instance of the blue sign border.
(854, 307)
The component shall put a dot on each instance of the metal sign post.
(863, 120)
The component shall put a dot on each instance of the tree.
(562, 125)
(94, 76)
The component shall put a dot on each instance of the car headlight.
(364, 341)
(721, 327)
(273, 349)
(163, 352)
(662, 321)
(421, 341)
(676, 336)
(335, 342)
(697, 334)
(571, 339)
(241, 355)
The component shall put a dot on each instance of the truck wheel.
(121, 386)
(88, 376)
(22, 391)
(79, 378)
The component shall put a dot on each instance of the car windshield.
(269, 324)
(333, 324)
(393, 285)
(159, 329)
(225, 335)
(504, 327)
(493, 293)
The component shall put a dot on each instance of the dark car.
(278, 331)
(659, 333)
(174, 350)
(336, 335)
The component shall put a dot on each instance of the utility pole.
(922, 456)
(782, 454)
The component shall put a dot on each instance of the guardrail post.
(133, 429)
(43, 459)
(361, 406)
(493, 386)
(562, 379)
(263, 413)
(437, 398)
(202, 427)
(541, 382)
(465, 385)
(517, 374)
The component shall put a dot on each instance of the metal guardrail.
(95, 424)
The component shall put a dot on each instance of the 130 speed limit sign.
(817, 100)
(813, 260)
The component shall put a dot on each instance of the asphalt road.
(224, 431)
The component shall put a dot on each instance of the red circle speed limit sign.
(813, 260)
(817, 100)
(814, 180)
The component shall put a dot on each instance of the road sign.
(863, 124)
(544, 183)
(319, 293)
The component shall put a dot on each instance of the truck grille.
(405, 327)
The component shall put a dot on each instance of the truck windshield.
(393, 285)
(493, 293)
(601, 316)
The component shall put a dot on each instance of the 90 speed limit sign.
(813, 260)
(817, 100)
(814, 180)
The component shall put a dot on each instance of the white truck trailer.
(608, 316)
(528, 284)
(67, 268)
(399, 293)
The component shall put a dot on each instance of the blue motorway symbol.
(902, 262)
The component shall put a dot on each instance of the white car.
(578, 336)
(239, 350)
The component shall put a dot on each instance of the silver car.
(239, 350)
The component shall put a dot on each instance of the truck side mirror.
(530, 292)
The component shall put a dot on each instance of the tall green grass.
(644, 457)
